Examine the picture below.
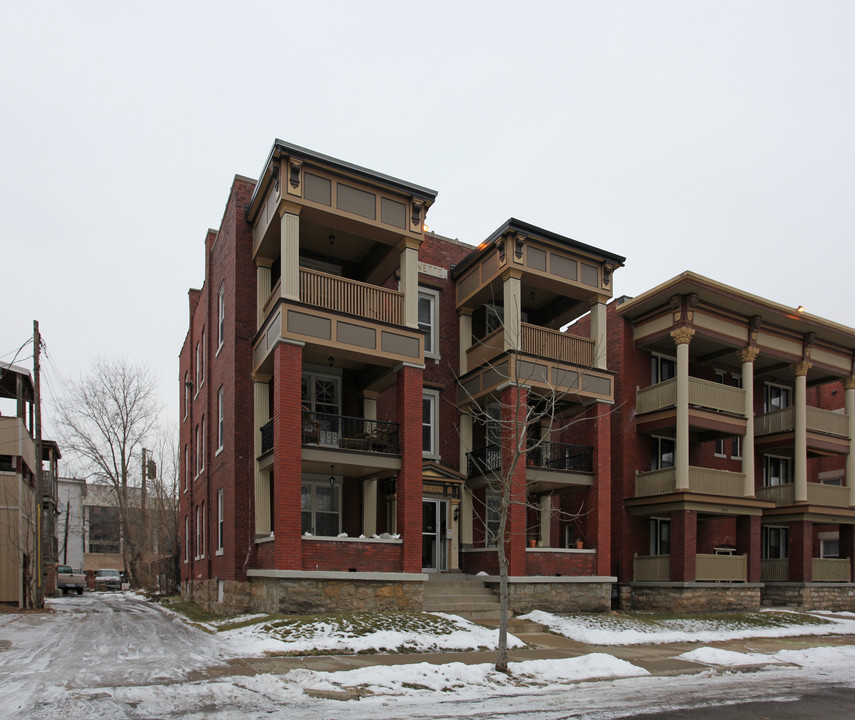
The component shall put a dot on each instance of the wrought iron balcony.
(553, 456)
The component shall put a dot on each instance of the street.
(113, 655)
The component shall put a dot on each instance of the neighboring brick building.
(349, 385)
(729, 485)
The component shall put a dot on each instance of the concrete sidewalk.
(658, 659)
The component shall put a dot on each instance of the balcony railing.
(350, 433)
(562, 456)
(534, 340)
(775, 570)
(831, 570)
(267, 436)
(554, 456)
(351, 296)
(721, 568)
(701, 480)
(818, 420)
(649, 568)
(817, 494)
(702, 393)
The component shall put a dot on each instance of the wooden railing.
(775, 570)
(648, 568)
(702, 393)
(827, 422)
(701, 480)
(831, 570)
(555, 345)
(484, 350)
(721, 568)
(817, 494)
(775, 422)
(370, 302)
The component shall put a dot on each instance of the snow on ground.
(610, 629)
(322, 636)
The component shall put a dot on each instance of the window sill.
(217, 354)
(219, 552)
(219, 450)
(264, 539)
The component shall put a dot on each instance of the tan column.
(545, 519)
(747, 358)
(849, 389)
(598, 334)
(465, 441)
(801, 371)
(465, 323)
(369, 405)
(289, 240)
(262, 275)
(465, 517)
(410, 283)
(682, 337)
(513, 311)
(261, 415)
(369, 507)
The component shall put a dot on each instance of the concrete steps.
(462, 595)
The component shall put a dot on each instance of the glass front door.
(434, 535)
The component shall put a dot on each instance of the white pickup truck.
(67, 580)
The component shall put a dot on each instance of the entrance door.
(434, 535)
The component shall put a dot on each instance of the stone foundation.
(810, 596)
(308, 593)
(556, 594)
(692, 597)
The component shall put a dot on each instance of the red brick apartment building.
(734, 483)
(349, 387)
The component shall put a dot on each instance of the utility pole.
(40, 569)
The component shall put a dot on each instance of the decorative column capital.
(682, 335)
(747, 355)
(801, 368)
(849, 383)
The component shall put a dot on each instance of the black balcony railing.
(267, 436)
(350, 433)
(554, 456)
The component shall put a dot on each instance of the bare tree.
(103, 420)
(162, 505)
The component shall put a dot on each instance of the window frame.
(767, 398)
(656, 452)
(221, 511)
(656, 360)
(220, 420)
(221, 316)
(313, 482)
(784, 462)
(432, 396)
(783, 542)
(655, 528)
(432, 332)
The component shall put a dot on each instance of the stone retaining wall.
(304, 596)
(810, 596)
(556, 595)
(684, 598)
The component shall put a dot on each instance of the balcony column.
(465, 441)
(598, 332)
(410, 281)
(465, 323)
(262, 285)
(682, 337)
(289, 242)
(849, 391)
(262, 479)
(369, 486)
(747, 358)
(409, 483)
(466, 508)
(545, 510)
(514, 403)
(512, 298)
(800, 469)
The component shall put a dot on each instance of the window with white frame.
(720, 444)
(829, 547)
(430, 423)
(202, 467)
(198, 366)
(220, 517)
(203, 530)
(660, 536)
(320, 394)
(186, 394)
(776, 397)
(429, 320)
(186, 539)
(662, 368)
(320, 506)
(775, 543)
(776, 470)
(202, 359)
(198, 453)
(198, 531)
(220, 420)
(494, 318)
(492, 517)
(221, 316)
(186, 468)
(662, 455)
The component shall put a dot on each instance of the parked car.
(108, 579)
(67, 580)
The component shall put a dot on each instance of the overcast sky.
(712, 136)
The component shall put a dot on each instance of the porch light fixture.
(331, 238)
(330, 360)
(531, 295)
(332, 476)
(456, 514)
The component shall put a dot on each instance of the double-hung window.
(662, 368)
(429, 320)
(775, 542)
(221, 316)
(220, 517)
(776, 397)
(320, 394)
(660, 536)
(776, 470)
(662, 455)
(220, 419)
(430, 423)
(320, 505)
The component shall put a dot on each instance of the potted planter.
(578, 544)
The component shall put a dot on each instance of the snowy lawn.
(646, 628)
(352, 633)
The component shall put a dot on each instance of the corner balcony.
(712, 406)
(827, 431)
(537, 341)
(704, 481)
(832, 496)
(708, 568)
(549, 466)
